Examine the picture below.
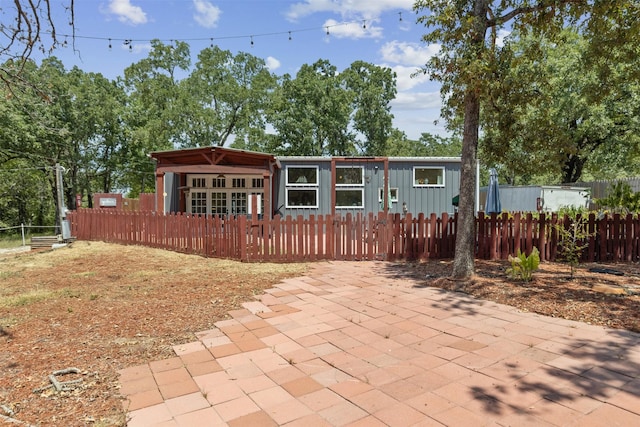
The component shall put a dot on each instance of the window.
(428, 177)
(199, 202)
(219, 182)
(302, 175)
(239, 183)
(349, 175)
(218, 203)
(198, 182)
(302, 187)
(302, 197)
(239, 203)
(257, 182)
(349, 198)
(393, 192)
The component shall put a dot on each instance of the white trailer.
(538, 198)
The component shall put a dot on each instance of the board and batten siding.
(436, 198)
(424, 199)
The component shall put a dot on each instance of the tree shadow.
(575, 367)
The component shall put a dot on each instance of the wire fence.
(25, 231)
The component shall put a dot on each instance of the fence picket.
(359, 237)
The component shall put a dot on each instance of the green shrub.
(620, 199)
(523, 266)
(572, 240)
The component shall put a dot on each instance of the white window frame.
(361, 184)
(302, 184)
(360, 189)
(300, 188)
(437, 184)
(392, 190)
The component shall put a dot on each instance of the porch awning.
(212, 169)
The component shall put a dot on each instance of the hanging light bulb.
(211, 41)
(110, 44)
(364, 24)
(400, 14)
(289, 35)
(327, 30)
(251, 41)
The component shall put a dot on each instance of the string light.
(289, 33)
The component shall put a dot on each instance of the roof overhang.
(213, 160)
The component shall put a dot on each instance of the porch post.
(266, 195)
(160, 193)
(333, 186)
(386, 185)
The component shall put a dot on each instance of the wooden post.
(160, 192)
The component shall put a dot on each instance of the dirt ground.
(99, 308)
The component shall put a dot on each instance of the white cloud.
(417, 112)
(207, 15)
(407, 53)
(136, 48)
(366, 9)
(408, 77)
(126, 12)
(502, 34)
(352, 30)
(272, 63)
(416, 100)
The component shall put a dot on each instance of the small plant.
(523, 266)
(572, 240)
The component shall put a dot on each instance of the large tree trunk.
(464, 259)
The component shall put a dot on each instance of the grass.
(11, 242)
(36, 295)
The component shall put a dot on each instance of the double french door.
(218, 202)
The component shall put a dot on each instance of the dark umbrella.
(493, 194)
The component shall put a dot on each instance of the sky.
(285, 33)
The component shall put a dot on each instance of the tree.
(398, 145)
(553, 113)
(154, 116)
(228, 96)
(373, 88)
(311, 113)
(29, 26)
(467, 31)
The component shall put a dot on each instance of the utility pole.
(65, 230)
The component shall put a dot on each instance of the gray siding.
(425, 200)
(419, 199)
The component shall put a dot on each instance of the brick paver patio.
(360, 344)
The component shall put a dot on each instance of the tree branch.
(542, 5)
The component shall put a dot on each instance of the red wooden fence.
(352, 237)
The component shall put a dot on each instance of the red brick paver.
(361, 344)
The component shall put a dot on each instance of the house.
(224, 181)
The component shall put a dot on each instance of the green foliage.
(620, 199)
(523, 266)
(552, 114)
(374, 88)
(398, 145)
(573, 239)
(311, 113)
(573, 211)
(468, 67)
